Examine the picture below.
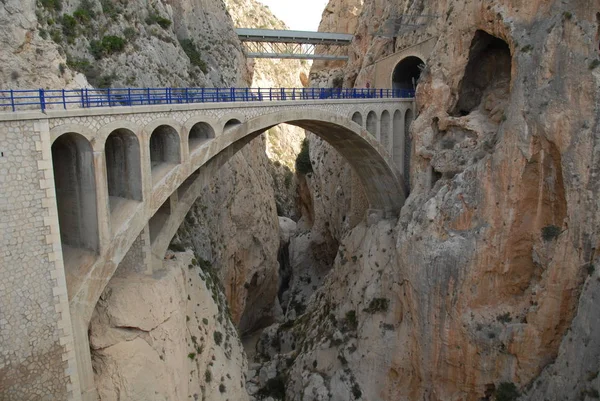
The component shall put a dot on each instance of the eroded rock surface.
(167, 337)
(480, 284)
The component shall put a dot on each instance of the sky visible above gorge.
(302, 15)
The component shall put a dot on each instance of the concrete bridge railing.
(109, 187)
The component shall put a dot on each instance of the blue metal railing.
(113, 97)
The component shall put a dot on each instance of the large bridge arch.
(382, 180)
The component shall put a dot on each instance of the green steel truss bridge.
(302, 45)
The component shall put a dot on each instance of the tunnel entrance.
(487, 76)
(407, 73)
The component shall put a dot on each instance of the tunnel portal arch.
(407, 72)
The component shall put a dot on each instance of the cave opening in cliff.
(164, 151)
(487, 76)
(123, 169)
(407, 73)
(75, 185)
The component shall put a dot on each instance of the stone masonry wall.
(37, 360)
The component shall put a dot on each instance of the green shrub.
(378, 305)
(222, 388)
(303, 164)
(356, 391)
(83, 15)
(208, 376)
(69, 26)
(504, 318)
(595, 63)
(109, 9)
(192, 355)
(52, 5)
(154, 18)
(104, 81)
(527, 49)
(189, 47)
(550, 232)
(218, 337)
(351, 320)
(507, 392)
(56, 36)
(175, 247)
(106, 46)
(130, 33)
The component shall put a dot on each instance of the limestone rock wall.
(487, 279)
(167, 336)
(234, 226)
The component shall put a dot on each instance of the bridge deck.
(284, 36)
(13, 100)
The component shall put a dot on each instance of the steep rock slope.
(168, 337)
(473, 290)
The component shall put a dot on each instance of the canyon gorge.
(282, 283)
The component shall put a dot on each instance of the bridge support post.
(139, 257)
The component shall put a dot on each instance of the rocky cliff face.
(488, 277)
(167, 336)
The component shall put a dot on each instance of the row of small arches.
(75, 174)
(392, 130)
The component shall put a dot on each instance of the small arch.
(123, 170)
(232, 123)
(398, 140)
(357, 118)
(75, 186)
(385, 130)
(80, 129)
(408, 119)
(407, 73)
(200, 133)
(372, 123)
(164, 151)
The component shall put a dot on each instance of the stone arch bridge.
(88, 190)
